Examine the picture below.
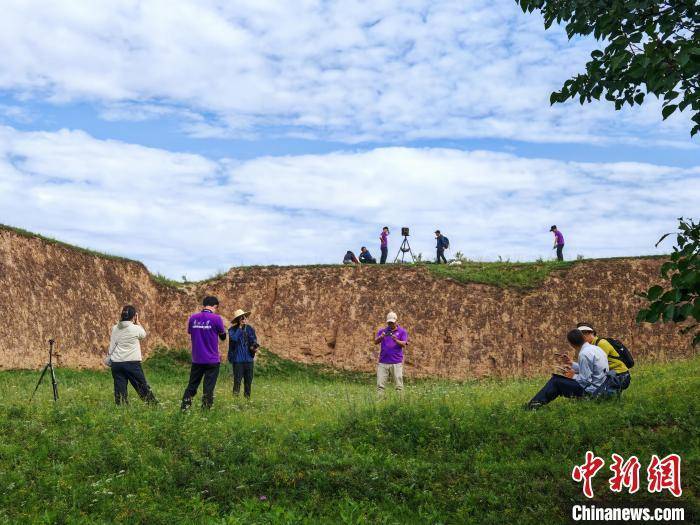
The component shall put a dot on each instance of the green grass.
(313, 447)
(51, 240)
(504, 274)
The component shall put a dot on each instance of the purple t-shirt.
(204, 329)
(391, 352)
(383, 239)
(559, 237)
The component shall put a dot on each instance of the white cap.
(586, 329)
(391, 317)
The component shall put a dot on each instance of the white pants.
(383, 371)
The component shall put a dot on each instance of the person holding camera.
(205, 329)
(384, 244)
(124, 358)
(242, 346)
(393, 339)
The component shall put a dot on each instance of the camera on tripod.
(404, 231)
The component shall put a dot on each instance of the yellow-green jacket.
(614, 361)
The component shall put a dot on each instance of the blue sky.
(200, 135)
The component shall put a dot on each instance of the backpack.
(445, 242)
(622, 351)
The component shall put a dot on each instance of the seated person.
(614, 361)
(576, 379)
(366, 257)
(350, 258)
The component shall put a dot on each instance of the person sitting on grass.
(366, 257)
(614, 362)
(242, 345)
(350, 258)
(124, 358)
(577, 379)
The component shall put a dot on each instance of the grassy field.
(315, 447)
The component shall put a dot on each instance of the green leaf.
(668, 313)
(654, 293)
(642, 316)
(667, 267)
(666, 112)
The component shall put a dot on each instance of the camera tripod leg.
(41, 377)
(54, 384)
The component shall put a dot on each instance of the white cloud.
(349, 71)
(185, 214)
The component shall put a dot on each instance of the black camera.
(404, 231)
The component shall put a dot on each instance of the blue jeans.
(441, 256)
(385, 253)
(558, 386)
(560, 252)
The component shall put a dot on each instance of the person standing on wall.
(384, 244)
(393, 339)
(124, 358)
(443, 243)
(205, 329)
(242, 346)
(558, 242)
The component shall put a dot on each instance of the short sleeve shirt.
(391, 352)
(204, 329)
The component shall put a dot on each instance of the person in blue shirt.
(366, 257)
(441, 245)
(242, 345)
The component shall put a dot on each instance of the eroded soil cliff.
(324, 314)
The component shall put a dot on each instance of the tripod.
(403, 250)
(49, 366)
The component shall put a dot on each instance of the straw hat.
(238, 313)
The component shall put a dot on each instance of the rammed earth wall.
(324, 314)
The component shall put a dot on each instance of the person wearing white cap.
(577, 379)
(615, 361)
(393, 339)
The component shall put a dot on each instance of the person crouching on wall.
(242, 346)
(124, 357)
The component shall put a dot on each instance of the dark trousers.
(210, 373)
(558, 386)
(560, 252)
(624, 380)
(242, 372)
(385, 253)
(441, 256)
(126, 372)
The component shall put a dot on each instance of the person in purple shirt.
(558, 242)
(205, 329)
(384, 244)
(393, 338)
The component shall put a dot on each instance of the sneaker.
(533, 405)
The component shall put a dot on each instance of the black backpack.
(622, 351)
(445, 242)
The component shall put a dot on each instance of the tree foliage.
(679, 301)
(651, 47)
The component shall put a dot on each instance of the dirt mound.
(323, 314)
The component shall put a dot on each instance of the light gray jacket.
(591, 368)
(124, 345)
